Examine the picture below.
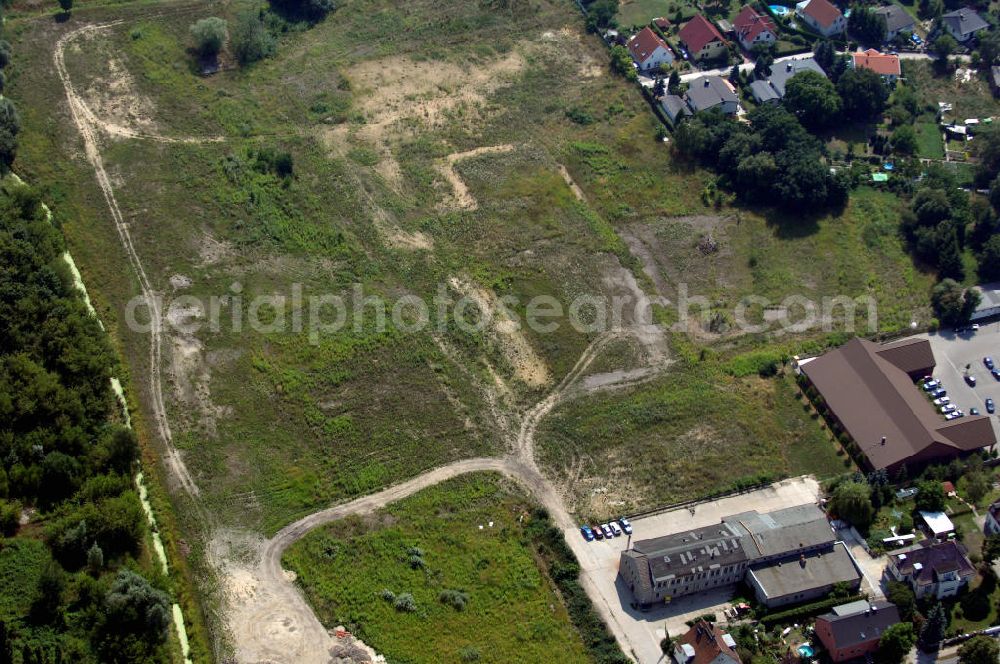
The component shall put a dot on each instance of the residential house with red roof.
(705, 643)
(649, 51)
(883, 64)
(853, 630)
(752, 28)
(822, 17)
(701, 39)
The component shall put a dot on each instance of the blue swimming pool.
(806, 650)
(778, 10)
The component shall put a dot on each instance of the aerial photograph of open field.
(350, 331)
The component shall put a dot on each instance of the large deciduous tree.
(813, 99)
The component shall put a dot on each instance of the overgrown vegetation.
(489, 568)
(72, 584)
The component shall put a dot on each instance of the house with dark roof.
(773, 88)
(787, 556)
(706, 643)
(896, 19)
(649, 51)
(711, 92)
(867, 391)
(752, 28)
(822, 17)
(932, 569)
(701, 39)
(675, 108)
(853, 630)
(992, 524)
(885, 65)
(963, 24)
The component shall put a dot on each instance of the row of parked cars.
(607, 530)
(942, 401)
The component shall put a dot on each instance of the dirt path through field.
(81, 118)
(463, 197)
(268, 618)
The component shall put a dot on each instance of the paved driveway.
(954, 353)
(599, 564)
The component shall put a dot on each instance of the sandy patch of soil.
(574, 187)
(113, 98)
(189, 371)
(528, 366)
(462, 198)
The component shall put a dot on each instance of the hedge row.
(808, 610)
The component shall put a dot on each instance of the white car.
(948, 408)
(953, 416)
(615, 529)
(931, 384)
(942, 401)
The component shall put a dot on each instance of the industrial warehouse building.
(786, 556)
(868, 391)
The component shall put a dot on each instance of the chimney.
(802, 560)
(883, 441)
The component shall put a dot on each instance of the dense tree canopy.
(772, 159)
(813, 99)
(896, 642)
(979, 650)
(851, 502)
(863, 93)
(870, 28)
(251, 40)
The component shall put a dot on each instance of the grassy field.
(641, 12)
(970, 99)
(468, 535)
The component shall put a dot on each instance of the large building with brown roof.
(649, 51)
(868, 392)
(885, 65)
(932, 569)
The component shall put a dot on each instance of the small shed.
(938, 524)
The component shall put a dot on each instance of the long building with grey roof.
(749, 545)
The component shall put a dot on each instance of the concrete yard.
(599, 563)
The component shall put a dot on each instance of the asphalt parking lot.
(954, 352)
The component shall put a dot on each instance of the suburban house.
(853, 630)
(932, 569)
(674, 108)
(649, 51)
(822, 17)
(992, 524)
(896, 19)
(705, 643)
(711, 92)
(773, 88)
(701, 39)
(885, 65)
(866, 390)
(787, 556)
(752, 28)
(963, 24)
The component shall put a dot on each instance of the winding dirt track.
(269, 620)
(82, 117)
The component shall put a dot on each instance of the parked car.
(973, 411)
(996, 373)
(937, 394)
(971, 380)
(626, 525)
(607, 531)
(988, 361)
(598, 533)
(615, 529)
(931, 384)
(942, 401)
(990, 407)
(588, 534)
(947, 408)
(953, 416)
